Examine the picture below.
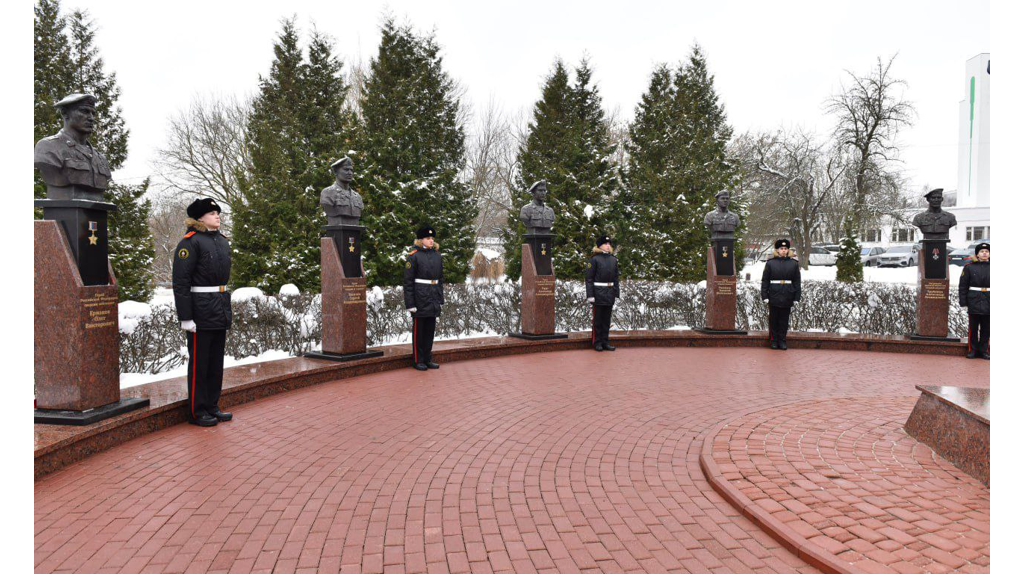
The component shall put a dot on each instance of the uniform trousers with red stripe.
(602, 323)
(977, 333)
(205, 370)
(422, 338)
(778, 323)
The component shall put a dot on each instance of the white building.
(970, 202)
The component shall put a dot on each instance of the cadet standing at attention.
(424, 294)
(780, 289)
(974, 294)
(202, 267)
(602, 291)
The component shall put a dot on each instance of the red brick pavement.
(844, 475)
(557, 462)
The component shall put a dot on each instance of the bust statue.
(721, 222)
(342, 204)
(538, 217)
(934, 223)
(70, 166)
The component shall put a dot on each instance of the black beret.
(982, 246)
(201, 207)
(425, 232)
(602, 239)
(782, 243)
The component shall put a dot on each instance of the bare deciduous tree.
(167, 222)
(206, 151)
(491, 167)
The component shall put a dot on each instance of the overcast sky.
(774, 63)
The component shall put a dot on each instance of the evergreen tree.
(413, 147)
(296, 129)
(567, 145)
(52, 77)
(131, 241)
(848, 266)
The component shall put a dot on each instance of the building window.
(976, 233)
(871, 235)
(903, 235)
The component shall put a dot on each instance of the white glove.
(765, 301)
(590, 299)
(189, 326)
(411, 310)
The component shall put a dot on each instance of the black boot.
(598, 347)
(972, 354)
(432, 365)
(204, 420)
(782, 345)
(608, 347)
(221, 415)
(420, 367)
(985, 356)
(774, 344)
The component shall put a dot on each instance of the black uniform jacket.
(202, 259)
(781, 269)
(603, 268)
(423, 263)
(975, 274)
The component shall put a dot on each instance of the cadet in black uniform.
(602, 291)
(974, 294)
(202, 266)
(424, 294)
(780, 289)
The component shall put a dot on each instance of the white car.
(821, 256)
(899, 256)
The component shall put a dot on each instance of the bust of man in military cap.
(934, 223)
(71, 167)
(721, 222)
(342, 204)
(538, 217)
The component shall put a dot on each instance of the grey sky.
(774, 63)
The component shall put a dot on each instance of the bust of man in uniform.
(721, 222)
(538, 217)
(71, 167)
(934, 223)
(342, 204)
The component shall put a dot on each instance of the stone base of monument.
(343, 296)
(955, 422)
(916, 337)
(933, 292)
(720, 294)
(538, 292)
(89, 416)
(76, 336)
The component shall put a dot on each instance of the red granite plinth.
(932, 304)
(76, 338)
(538, 298)
(720, 306)
(955, 422)
(343, 304)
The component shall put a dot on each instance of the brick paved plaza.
(553, 462)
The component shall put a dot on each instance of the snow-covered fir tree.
(131, 241)
(412, 147)
(567, 145)
(297, 127)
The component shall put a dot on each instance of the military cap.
(602, 239)
(782, 243)
(934, 192)
(341, 162)
(425, 232)
(73, 99)
(201, 207)
(981, 246)
(536, 184)
(720, 193)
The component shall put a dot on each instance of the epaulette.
(411, 252)
(189, 234)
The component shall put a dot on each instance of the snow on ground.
(490, 254)
(133, 379)
(163, 296)
(906, 275)
(129, 313)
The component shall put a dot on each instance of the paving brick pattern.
(844, 475)
(557, 462)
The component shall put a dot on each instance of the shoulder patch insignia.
(189, 234)
(413, 251)
(183, 253)
(408, 264)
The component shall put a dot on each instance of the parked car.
(832, 247)
(962, 256)
(869, 255)
(821, 256)
(899, 256)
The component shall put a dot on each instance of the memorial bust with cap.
(934, 223)
(70, 166)
(342, 204)
(721, 222)
(536, 216)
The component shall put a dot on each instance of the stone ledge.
(57, 446)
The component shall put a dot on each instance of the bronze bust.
(71, 167)
(934, 223)
(538, 217)
(342, 204)
(721, 222)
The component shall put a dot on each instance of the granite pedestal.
(343, 295)
(538, 292)
(720, 294)
(955, 422)
(933, 292)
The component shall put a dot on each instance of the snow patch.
(129, 313)
(289, 289)
(246, 293)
